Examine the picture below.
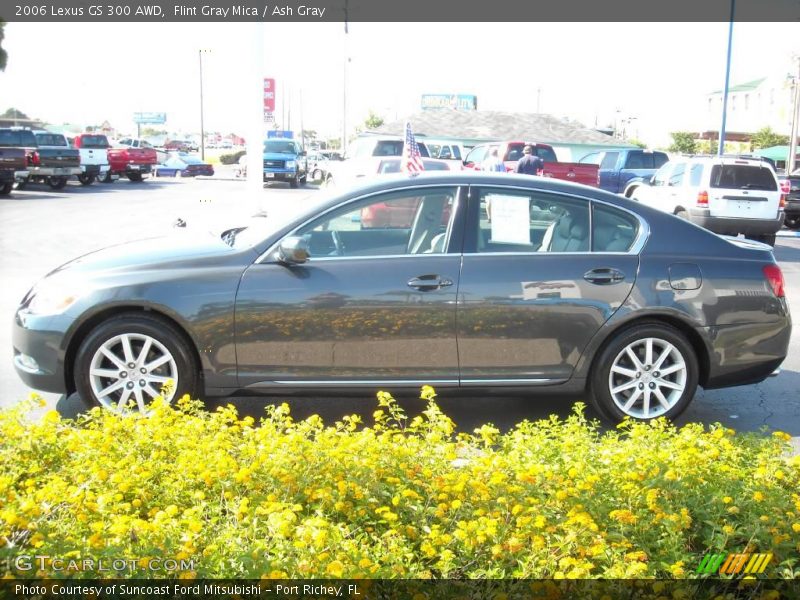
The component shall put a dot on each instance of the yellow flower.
(727, 499)
(796, 527)
(782, 436)
(758, 496)
(623, 516)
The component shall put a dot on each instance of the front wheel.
(6, 189)
(125, 362)
(57, 183)
(135, 177)
(644, 372)
(293, 182)
(86, 179)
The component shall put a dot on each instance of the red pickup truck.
(134, 163)
(512, 152)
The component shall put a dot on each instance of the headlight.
(51, 297)
(291, 164)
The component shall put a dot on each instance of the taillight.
(33, 159)
(702, 199)
(774, 277)
(786, 187)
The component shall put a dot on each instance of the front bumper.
(731, 226)
(40, 338)
(280, 175)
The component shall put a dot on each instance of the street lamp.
(791, 165)
(200, 53)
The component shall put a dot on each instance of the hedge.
(401, 498)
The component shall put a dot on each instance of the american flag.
(412, 161)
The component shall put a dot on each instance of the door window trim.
(636, 247)
(457, 219)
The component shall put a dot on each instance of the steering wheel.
(337, 243)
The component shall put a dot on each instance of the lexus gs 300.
(558, 288)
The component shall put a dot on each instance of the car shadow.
(786, 253)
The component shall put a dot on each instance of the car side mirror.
(292, 250)
(652, 180)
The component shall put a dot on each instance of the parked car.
(729, 195)
(445, 150)
(511, 152)
(133, 158)
(93, 148)
(178, 146)
(13, 158)
(182, 164)
(622, 171)
(791, 191)
(568, 289)
(51, 161)
(363, 155)
(318, 163)
(285, 160)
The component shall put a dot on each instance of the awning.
(775, 153)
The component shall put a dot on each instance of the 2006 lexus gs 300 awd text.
(468, 280)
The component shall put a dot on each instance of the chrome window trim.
(456, 205)
(635, 249)
(366, 382)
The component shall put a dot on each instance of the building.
(753, 105)
(570, 139)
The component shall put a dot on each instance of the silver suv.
(727, 195)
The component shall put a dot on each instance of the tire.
(303, 179)
(5, 190)
(792, 222)
(20, 185)
(293, 183)
(768, 239)
(86, 179)
(107, 178)
(631, 191)
(682, 214)
(178, 174)
(316, 175)
(330, 182)
(57, 183)
(135, 177)
(613, 368)
(164, 342)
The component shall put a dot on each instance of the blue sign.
(451, 101)
(287, 135)
(152, 118)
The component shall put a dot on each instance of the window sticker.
(510, 218)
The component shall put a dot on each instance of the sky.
(656, 75)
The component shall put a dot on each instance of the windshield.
(20, 137)
(280, 146)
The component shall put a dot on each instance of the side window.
(405, 222)
(676, 177)
(636, 160)
(613, 230)
(695, 174)
(660, 178)
(609, 160)
(659, 159)
(476, 155)
(456, 152)
(517, 221)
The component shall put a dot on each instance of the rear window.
(393, 166)
(743, 177)
(22, 137)
(609, 160)
(51, 139)
(94, 141)
(395, 148)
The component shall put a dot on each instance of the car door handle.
(426, 283)
(604, 276)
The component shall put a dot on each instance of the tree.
(373, 121)
(766, 138)
(636, 142)
(3, 53)
(13, 113)
(683, 142)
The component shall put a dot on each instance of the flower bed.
(403, 498)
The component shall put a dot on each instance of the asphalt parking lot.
(40, 229)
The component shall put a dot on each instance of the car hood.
(170, 251)
(279, 156)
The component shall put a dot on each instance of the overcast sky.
(660, 73)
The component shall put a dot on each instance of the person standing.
(492, 162)
(530, 164)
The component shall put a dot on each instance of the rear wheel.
(126, 361)
(682, 214)
(5, 190)
(792, 222)
(57, 183)
(86, 179)
(135, 177)
(644, 372)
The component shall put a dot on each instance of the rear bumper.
(94, 169)
(54, 171)
(143, 169)
(730, 226)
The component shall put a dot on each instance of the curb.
(786, 233)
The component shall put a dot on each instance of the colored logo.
(745, 563)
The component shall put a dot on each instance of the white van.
(727, 195)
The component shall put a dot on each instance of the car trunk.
(59, 157)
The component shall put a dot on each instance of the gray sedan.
(473, 281)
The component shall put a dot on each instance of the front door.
(375, 303)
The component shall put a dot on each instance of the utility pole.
(792, 164)
(721, 147)
(344, 84)
(202, 125)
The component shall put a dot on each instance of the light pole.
(721, 147)
(792, 163)
(200, 53)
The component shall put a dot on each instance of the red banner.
(269, 95)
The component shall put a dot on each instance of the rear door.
(743, 190)
(609, 176)
(537, 282)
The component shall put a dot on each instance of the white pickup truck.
(94, 157)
